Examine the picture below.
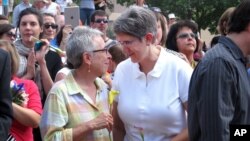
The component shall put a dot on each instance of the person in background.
(4, 20)
(30, 24)
(63, 4)
(62, 73)
(141, 3)
(171, 19)
(100, 4)
(182, 38)
(161, 28)
(52, 8)
(50, 27)
(49, 32)
(6, 111)
(62, 36)
(87, 8)
(222, 26)
(40, 5)
(7, 32)
(99, 20)
(219, 92)
(18, 9)
(79, 102)
(152, 84)
(26, 113)
(117, 55)
(223, 21)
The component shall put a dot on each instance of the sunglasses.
(101, 50)
(101, 20)
(53, 26)
(186, 35)
(11, 34)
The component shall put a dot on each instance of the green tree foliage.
(205, 13)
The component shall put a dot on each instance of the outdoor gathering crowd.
(157, 80)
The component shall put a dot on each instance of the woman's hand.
(40, 54)
(30, 66)
(103, 120)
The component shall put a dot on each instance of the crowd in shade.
(155, 79)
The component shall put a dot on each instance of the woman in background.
(7, 32)
(182, 38)
(26, 114)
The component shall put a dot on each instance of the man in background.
(219, 92)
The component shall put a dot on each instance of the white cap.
(171, 16)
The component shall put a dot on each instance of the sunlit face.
(9, 36)
(49, 27)
(101, 23)
(159, 33)
(100, 58)
(29, 26)
(185, 40)
(133, 47)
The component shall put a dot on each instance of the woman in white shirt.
(152, 83)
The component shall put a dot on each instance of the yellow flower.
(112, 95)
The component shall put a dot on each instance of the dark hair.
(31, 11)
(2, 17)
(240, 17)
(4, 28)
(214, 41)
(171, 38)
(98, 13)
(59, 35)
(117, 53)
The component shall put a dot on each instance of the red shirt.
(19, 131)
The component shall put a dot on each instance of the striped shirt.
(219, 93)
(67, 106)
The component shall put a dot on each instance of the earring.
(89, 68)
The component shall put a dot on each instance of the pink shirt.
(19, 131)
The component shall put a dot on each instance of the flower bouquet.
(18, 93)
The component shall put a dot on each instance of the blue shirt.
(17, 10)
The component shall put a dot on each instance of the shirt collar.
(156, 71)
(73, 87)
(234, 49)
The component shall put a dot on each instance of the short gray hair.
(136, 21)
(80, 41)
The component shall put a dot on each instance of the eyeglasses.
(53, 26)
(101, 50)
(11, 34)
(127, 43)
(101, 20)
(186, 35)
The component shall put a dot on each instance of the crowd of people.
(155, 81)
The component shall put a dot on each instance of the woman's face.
(133, 47)
(159, 33)
(49, 27)
(100, 58)
(9, 36)
(185, 40)
(29, 26)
